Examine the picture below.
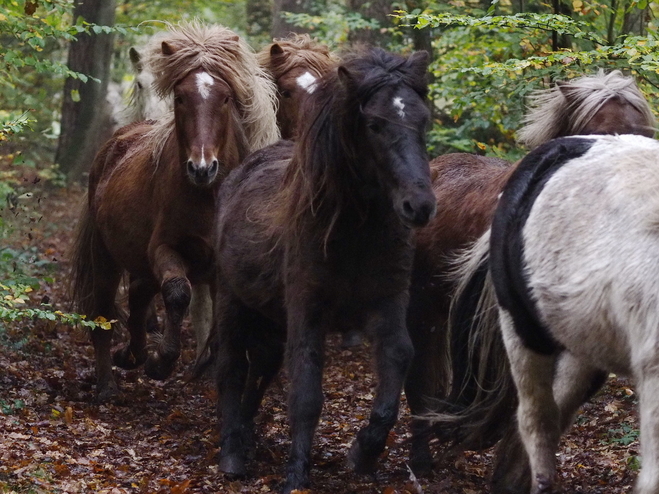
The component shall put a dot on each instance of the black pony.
(317, 236)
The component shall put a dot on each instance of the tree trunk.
(86, 124)
(634, 21)
(372, 9)
(281, 28)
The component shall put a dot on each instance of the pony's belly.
(127, 241)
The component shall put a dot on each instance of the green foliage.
(22, 273)
(485, 64)
(625, 435)
(11, 407)
(333, 26)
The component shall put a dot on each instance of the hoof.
(543, 484)
(233, 466)
(421, 463)
(159, 368)
(359, 462)
(125, 359)
(110, 394)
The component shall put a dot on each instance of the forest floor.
(55, 438)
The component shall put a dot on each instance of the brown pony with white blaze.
(295, 63)
(152, 191)
(467, 188)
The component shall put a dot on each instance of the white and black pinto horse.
(574, 260)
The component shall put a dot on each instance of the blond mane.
(551, 114)
(224, 55)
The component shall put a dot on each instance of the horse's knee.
(176, 293)
(400, 355)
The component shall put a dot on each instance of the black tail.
(482, 399)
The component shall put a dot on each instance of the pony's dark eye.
(374, 127)
(286, 93)
(178, 100)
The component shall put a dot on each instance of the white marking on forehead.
(204, 82)
(400, 106)
(307, 82)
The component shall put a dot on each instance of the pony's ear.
(276, 50)
(567, 90)
(135, 59)
(419, 60)
(345, 76)
(168, 48)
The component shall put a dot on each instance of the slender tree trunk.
(560, 41)
(281, 28)
(372, 9)
(634, 20)
(86, 123)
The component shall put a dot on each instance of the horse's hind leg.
(140, 296)
(648, 388)
(537, 412)
(427, 378)
(574, 384)
(393, 353)
(266, 354)
(107, 280)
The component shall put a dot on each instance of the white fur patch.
(204, 82)
(307, 82)
(400, 106)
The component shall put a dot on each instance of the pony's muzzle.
(201, 173)
(418, 211)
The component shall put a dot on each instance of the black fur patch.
(506, 243)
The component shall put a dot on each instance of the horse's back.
(466, 187)
(591, 247)
(115, 151)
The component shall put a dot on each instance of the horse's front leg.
(305, 358)
(393, 353)
(171, 271)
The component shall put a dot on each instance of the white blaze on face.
(307, 82)
(204, 82)
(400, 106)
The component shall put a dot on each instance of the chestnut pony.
(152, 192)
(295, 63)
(315, 236)
(467, 188)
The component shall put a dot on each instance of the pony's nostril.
(213, 168)
(408, 209)
(191, 167)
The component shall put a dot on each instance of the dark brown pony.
(152, 191)
(295, 63)
(467, 188)
(316, 236)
